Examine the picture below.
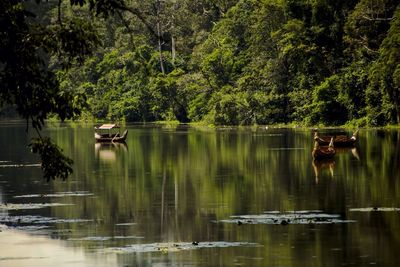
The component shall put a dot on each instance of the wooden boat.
(323, 152)
(107, 133)
(338, 140)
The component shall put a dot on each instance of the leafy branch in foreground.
(54, 163)
(28, 78)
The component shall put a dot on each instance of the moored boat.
(338, 140)
(109, 133)
(323, 152)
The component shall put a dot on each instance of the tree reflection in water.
(173, 184)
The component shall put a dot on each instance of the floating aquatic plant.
(30, 206)
(104, 238)
(369, 209)
(294, 217)
(19, 165)
(176, 246)
(125, 224)
(59, 194)
(33, 228)
(35, 219)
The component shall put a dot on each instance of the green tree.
(385, 72)
(328, 107)
(27, 75)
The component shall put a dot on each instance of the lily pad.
(369, 209)
(30, 206)
(176, 247)
(33, 228)
(125, 224)
(301, 217)
(305, 211)
(60, 194)
(19, 165)
(34, 219)
(104, 238)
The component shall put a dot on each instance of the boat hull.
(337, 142)
(111, 139)
(320, 154)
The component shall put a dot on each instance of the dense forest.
(229, 62)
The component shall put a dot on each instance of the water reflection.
(353, 150)
(173, 184)
(321, 165)
(328, 165)
(108, 151)
(20, 249)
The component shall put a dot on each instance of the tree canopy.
(244, 62)
(224, 62)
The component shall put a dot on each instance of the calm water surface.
(179, 196)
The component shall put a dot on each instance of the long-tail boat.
(338, 140)
(323, 152)
(107, 133)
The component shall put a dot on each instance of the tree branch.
(377, 19)
(138, 14)
(127, 27)
(59, 12)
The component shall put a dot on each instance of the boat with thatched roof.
(109, 133)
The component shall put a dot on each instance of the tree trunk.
(59, 12)
(173, 49)
(173, 45)
(396, 102)
(159, 36)
(160, 48)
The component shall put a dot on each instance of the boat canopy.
(108, 126)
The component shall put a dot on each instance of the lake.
(183, 196)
